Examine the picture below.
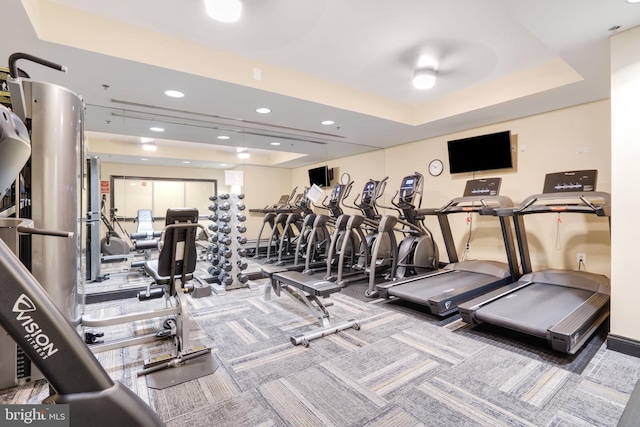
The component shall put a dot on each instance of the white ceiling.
(350, 61)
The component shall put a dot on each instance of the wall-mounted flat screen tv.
(479, 153)
(320, 176)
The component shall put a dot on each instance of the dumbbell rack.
(226, 251)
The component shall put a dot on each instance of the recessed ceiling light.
(186, 162)
(328, 122)
(275, 143)
(174, 93)
(144, 160)
(157, 129)
(263, 110)
(144, 139)
(223, 137)
(149, 147)
(223, 164)
(244, 155)
(633, 1)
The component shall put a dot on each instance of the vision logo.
(34, 334)
(447, 305)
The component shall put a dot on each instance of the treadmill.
(564, 307)
(459, 281)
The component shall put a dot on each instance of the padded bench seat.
(309, 292)
(310, 285)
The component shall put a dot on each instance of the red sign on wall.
(104, 187)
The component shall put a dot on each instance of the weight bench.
(310, 294)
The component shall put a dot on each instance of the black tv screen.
(320, 176)
(479, 153)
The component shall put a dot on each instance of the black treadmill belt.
(420, 291)
(534, 308)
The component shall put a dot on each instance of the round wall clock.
(436, 167)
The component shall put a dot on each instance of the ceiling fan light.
(224, 10)
(424, 79)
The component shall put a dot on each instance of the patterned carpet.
(399, 369)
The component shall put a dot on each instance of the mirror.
(193, 159)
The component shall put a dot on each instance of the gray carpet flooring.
(402, 368)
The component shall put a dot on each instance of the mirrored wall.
(140, 167)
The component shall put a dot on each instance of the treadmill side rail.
(447, 303)
(467, 310)
(570, 334)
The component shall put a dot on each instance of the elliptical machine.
(357, 225)
(417, 252)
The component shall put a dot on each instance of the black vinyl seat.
(178, 256)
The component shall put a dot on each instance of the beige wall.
(625, 150)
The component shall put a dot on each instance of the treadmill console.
(482, 187)
(571, 181)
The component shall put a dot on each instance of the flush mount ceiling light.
(275, 143)
(263, 110)
(243, 152)
(424, 78)
(223, 137)
(327, 122)
(149, 147)
(156, 129)
(174, 93)
(144, 139)
(223, 10)
(633, 1)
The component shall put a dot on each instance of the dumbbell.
(213, 207)
(242, 265)
(213, 238)
(242, 252)
(224, 206)
(224, 218)
(223, 196)
(225, 240)
(225, 279)
(226, 266)
(213, 227)
(226, 252)
(240, 206)
(213, 198)
(213, 217)
(241, 228)
(241, 217)
(242, 240)
(242, 278)
(225, 229)
(241, 196)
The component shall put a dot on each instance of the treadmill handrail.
(542, 203)
(459, 204)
